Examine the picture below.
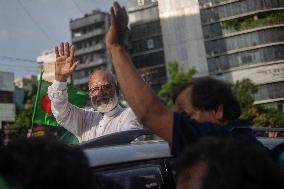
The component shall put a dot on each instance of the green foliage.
(238, 24)
(244, 91)
(259, 116)
(23, 116)
(269, 117)
(176, 79)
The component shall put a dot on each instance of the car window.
(138, 178)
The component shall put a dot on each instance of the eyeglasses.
(96, 89)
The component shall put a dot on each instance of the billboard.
(259, 75)
(7, 81)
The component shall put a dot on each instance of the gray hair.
(110, 77)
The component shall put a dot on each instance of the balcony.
(87, 50)
(93, 63)
(80, 81)
(94, 33)
(86, 21)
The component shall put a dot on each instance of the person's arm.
(67, 115)
(139, 95)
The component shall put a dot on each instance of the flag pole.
(37, 98)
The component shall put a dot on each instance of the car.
(133, 163)
(138, 164)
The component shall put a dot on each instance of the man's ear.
(219, 113)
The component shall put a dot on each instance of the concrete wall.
(47, 60)
(7, 81)
(182, 34)
(7, 113)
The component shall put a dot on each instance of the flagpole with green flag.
(37, 98)
(42, 113)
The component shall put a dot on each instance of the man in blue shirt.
(176, 128)
(195, 100)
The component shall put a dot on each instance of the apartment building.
(244, 39)
(88, 36)
(146, 44)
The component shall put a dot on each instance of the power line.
(24, 71)
(77, 6)
(35, 23)
(17, 59)
(18, 68)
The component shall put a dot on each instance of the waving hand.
(64, 65)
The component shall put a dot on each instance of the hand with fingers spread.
(118, 30)
(64, 65)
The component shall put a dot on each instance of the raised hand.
(64, 65)
(118, 30)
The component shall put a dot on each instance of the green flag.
(43, 114)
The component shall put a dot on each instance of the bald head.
(101, 77)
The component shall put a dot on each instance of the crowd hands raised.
(215, 149)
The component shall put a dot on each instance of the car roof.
(271, 142)
(121, 147)
(138, 151)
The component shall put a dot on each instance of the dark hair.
(232, 163)
(43, 163)
(209, 93)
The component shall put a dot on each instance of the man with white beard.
(107, 117)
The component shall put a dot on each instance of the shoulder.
(182, 120)
(128, 112)
(91, 114)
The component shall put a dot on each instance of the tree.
(176, 79)
(24, 116)
(244, 91)
(23, 120)
(259, 116)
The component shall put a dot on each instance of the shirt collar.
(114, 111)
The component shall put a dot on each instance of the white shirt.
(88, 124)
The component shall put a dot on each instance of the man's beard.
(105, 104)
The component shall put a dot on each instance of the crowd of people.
(215, 148)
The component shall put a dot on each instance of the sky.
(28, 27)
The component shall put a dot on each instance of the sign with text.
(259, 75)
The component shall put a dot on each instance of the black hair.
(233, 164)
(43, 163)
(209, 93)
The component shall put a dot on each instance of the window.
(138, 178)
(6, 97)
(150, 44)
(140, 2)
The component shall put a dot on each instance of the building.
(182, 34)
(228, 39)
(244, 39)
(7, 106)
(146, 44)
(47, 63)
(27, 83)
(19, 97)
(23, 85)
(88, 36)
